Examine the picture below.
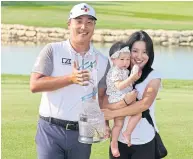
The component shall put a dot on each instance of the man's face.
(81, 28)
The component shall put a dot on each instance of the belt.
(67, 125)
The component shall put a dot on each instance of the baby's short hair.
(116, 47)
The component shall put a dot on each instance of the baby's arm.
(134, 76)
(120, 85)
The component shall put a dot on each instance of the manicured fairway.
(174, 111)
(111, 15)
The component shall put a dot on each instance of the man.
(61, 83)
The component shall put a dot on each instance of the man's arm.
(102, 102)
(40, 83)
(101, 95)
(41, 79)
(102, 86)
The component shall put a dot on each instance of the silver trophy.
(91, 128)
(91, 121)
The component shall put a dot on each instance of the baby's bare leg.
(130, 127)
(118, 124)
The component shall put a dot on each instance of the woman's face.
(139, 54)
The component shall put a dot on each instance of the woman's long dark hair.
(143, 36)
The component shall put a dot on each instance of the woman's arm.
(129, 98)
(149, 96)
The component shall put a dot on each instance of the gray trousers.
(54, 142)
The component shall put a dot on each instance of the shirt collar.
(89, 52)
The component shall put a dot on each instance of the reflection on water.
(172, 62)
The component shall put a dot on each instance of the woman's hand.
(108, 114)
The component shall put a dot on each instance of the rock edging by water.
(20, 34)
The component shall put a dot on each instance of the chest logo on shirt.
(66, 61)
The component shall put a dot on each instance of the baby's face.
(123, 61)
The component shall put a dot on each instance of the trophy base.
(89, 140)
(85, 140)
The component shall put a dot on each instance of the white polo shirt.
(143, 132)
(55, 60)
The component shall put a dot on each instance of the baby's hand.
(131, 97)
(136, 73)
(135, 69)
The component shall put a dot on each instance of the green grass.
(111, 15)
(20, 114)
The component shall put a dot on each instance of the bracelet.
(125, 101)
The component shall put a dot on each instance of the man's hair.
(143, 36)
(116, 47)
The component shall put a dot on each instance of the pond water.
(171, 62)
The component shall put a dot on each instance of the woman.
(142, 138)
